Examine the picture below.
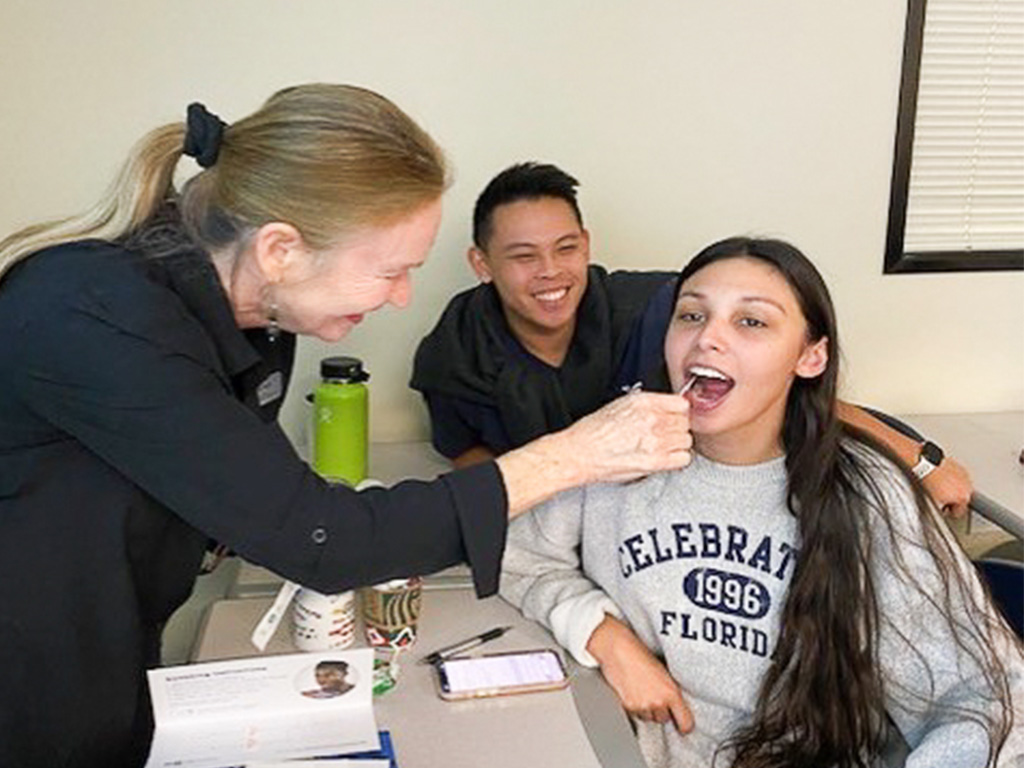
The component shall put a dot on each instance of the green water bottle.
(340, 419)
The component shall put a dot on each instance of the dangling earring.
(273, 329)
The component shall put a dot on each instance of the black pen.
(444, 653)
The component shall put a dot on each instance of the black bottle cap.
(345, 368)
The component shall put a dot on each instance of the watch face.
(932, 453)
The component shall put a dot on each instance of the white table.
(539, 730)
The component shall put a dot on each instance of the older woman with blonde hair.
(148, 345)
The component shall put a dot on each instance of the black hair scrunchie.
(203, 135)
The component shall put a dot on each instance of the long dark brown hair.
(822, 701)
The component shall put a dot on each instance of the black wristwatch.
(930, 457)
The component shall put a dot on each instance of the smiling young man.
(538, 343)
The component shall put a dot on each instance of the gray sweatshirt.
(698, 562)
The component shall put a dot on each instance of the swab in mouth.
(686, 387)
(710, 386)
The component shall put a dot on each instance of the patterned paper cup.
(323, 622)
(390, 612)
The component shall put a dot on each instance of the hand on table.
(643, 684)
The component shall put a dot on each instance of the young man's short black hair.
(522, 181)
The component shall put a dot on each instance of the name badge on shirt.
(270, 389)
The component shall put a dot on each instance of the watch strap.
(930, 457)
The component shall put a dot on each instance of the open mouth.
(552, 296)
(709, 387)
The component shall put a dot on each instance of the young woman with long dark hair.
(794, 581)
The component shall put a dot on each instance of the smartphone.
(500, 674)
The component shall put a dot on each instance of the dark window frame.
(896, 259)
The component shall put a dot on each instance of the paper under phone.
(264, 708)
(501, 673)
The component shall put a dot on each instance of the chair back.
(1005, 580)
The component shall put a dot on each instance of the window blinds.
(966, 189)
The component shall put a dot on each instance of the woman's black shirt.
(137, 424)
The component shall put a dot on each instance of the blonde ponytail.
(327, 159)
(143, 183)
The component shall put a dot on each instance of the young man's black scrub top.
(482, 387)
(137, 424)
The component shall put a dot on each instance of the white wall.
(686, 121)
